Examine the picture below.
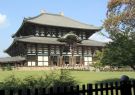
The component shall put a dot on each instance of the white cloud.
(4, 23)
(3, 19)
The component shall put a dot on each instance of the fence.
(125, 87)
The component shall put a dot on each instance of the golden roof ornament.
(61, 13)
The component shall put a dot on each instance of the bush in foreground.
(48, 80)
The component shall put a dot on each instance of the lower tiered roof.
(50, 40)
(12, 59)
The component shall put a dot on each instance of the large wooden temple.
(36, 42)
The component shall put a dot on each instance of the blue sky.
(12, 13)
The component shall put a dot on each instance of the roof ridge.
(96, 41)
(30, 18)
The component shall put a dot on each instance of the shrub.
(48, 80)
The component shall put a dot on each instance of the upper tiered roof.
(57, 20)
(60, 21)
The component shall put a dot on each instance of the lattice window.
(42, 60)
(31, 63)
(37, 32)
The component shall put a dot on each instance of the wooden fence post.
(89, 88)
(83, 90)
(20, 92)
(11, 92)
(36, 91)
(2, 92)
(134, 86)
(28, 92)
(125, 85)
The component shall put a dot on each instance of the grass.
(93, 77)
(20, 74)
(83, 77)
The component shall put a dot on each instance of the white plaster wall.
(45, 58)
(33, 63)
(40, 63)
(29, 63)
(45, 63)
(40, 58)
(87, 60)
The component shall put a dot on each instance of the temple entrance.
(77, 60)
(54, 60)
(68, 60)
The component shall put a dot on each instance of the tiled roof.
(12, 59)
(59, 20)
(47, 40)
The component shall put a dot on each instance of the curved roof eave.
(46, 40)
(100, 28)
(10, 46)
(12, 59)
(19, 28)
(60, 21)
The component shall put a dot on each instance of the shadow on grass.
(110, 80)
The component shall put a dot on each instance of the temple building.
(36, 42)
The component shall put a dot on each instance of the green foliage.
(70, 38)
(64, 79)
(46, 81)
(120, 25)
(11, 82)
(7, 67)
(120, 16)
(120, 52)
(97, 59)
(71, 41)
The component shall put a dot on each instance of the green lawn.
(92, 77)
(83, 77)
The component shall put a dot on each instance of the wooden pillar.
(70, 60)
(61, 60)
(74, 60)
(92, 54)
(57, 60)
(49, 61)
(82, 60)
(36, 60)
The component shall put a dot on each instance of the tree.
(71, 41)
(120, 17)
(97, 59)
(120, 25)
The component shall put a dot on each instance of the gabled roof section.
(60, 21)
